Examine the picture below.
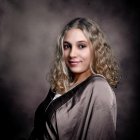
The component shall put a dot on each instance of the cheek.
(65, 55)
(87, 55)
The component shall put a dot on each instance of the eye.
(66, 46)
(81, 46)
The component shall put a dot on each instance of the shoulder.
(103, 94)
(99, 81)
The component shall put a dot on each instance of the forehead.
(74, 35)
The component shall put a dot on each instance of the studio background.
(28, 33)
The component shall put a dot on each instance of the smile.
(74, 63)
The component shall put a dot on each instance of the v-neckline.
(58, 102)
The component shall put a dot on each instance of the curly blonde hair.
(103, 63)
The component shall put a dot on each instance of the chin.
(76, 71)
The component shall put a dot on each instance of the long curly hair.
(103, 62)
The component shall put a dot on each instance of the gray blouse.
(86, 112)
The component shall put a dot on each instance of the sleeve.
(102, 113)
(101, 126)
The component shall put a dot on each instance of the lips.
(73, 62)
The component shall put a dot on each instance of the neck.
(79, 77)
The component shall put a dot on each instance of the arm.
(101, 125)
(102, 113)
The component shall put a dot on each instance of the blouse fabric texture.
(86, 112)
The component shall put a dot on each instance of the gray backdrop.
(28, 32)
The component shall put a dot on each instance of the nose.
(73, 52)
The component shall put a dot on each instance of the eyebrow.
(81, 41)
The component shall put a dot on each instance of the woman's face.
(77, 52)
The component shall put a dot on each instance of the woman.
(81, 104)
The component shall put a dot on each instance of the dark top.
(86, 112)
